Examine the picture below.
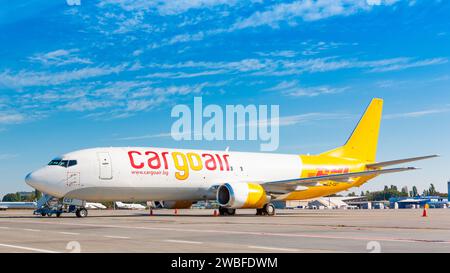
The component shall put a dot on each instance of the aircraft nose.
(39, 180)
(30, 179)
(48, 180)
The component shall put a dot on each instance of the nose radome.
(29, 179)
(48, 180)
(37, 180)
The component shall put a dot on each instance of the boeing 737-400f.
(235, 179)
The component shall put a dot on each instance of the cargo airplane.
(236, 180)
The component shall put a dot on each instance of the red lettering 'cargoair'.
(183, 162)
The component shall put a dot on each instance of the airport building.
(418, 202)
(353, 202)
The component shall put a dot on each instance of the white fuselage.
(141, 174)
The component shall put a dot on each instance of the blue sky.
(107, 73)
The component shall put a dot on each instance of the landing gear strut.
(268, 209)
(226, 211)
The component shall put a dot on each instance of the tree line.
(393, 191)
(19, 197)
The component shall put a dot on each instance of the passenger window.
(72, 163)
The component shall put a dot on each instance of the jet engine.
(242, 195)
(171, 204)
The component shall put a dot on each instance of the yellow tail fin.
(362, 144)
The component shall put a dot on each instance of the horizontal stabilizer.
(396, 162)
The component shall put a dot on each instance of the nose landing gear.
(49, 206)
(81, 213)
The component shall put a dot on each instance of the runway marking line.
(275, 248)
(4, 227)
(183, 242)
(32, 230)
(68, 233)
(29, 248)
(116, 237)
(404, 240)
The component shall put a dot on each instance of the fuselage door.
(104, 160)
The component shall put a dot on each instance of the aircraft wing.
(284, 186)
(399, 161)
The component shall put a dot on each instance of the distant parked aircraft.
(121, 205)
(95, 206)
(17, 205)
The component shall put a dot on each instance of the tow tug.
(49, 205)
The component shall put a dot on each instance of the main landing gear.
(268, 209)
(226, 211)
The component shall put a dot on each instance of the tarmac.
(198, 230)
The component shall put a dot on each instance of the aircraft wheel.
(81, 213)
(269, 209)
(226, 211)
(43, 214)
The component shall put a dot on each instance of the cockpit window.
(63, 163)
(72, 163)
(54, 162)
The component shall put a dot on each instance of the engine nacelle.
(242, 195)
(171, 204)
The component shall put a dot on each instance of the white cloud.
(137, 52)
(307, 10)
(85, 104)
(164, 8)
(180, 75)
(315, 65)
(25, 78)
(294, 89)
(149, 136)
(144, 104)
(310, 117)
(59, 57)
(8, 156)
(279, 53)
(409, 64)
(290, 66)
(417, 114)
(11, 118)
(244, 65)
